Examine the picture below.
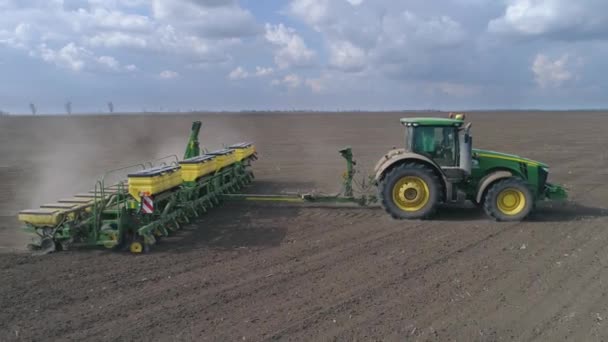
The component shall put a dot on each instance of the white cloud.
(355, 2)
(346, 56)
(313, 12)
(113, 19)
(170, 40)
(117, 39)
(553, 73)
(315, 84)
(382, 36)
(78, 58)
(110, 3)
(46, 29)
(70, 56)
(292, 49)
(23, 31)
(238, 74)
(370, 53)
(562, 19)
(290, 80)
(168, 74)
(408, 29)
(19, 37)
(261, 72)
(109, 62)
(213, 18)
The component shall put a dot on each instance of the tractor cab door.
(437, 143)
(440, 144)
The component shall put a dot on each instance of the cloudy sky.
(305, 54)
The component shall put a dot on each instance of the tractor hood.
(483, 154)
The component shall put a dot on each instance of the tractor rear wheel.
(410, 191)
(508, 200)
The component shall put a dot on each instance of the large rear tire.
(410, 191)
(508, 200)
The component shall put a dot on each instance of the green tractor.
(438, 165)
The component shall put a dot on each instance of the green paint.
(193, 148)
(347, 184)
(505, 156)
(345, 196)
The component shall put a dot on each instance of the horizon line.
(241, 111)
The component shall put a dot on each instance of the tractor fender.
(396, 156)
(489, 179)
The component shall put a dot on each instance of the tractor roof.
(431, 122)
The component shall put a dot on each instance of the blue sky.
(304, 54)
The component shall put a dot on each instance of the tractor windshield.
(437, 143)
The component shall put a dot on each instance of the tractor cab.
(445, 141)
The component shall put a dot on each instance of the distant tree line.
(67, 107)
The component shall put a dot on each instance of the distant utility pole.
(33, 109)
(68, 107)
(111, 107)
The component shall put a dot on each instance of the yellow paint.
(274, 199)
(519, 160)
(112, 240)
(77, 200)
(411, 193)
(64, 206)
(511, 201)
(42, 217)
(221, 161)
(243, 153)
(154, 184)
(192, 172)
(136, 247)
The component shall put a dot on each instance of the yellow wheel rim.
(136, 247)
(112, 242)
(411, 193)
(511, 201)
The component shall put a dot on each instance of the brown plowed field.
(261, 271)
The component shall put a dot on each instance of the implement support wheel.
(410, 191)
(138, 246)
(508, 200)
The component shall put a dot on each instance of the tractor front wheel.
(410, 191)
(508, 200)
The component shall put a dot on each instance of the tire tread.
(489, 205)
(384, 198)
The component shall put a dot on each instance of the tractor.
(438, 165)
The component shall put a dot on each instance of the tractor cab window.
(437, 143)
